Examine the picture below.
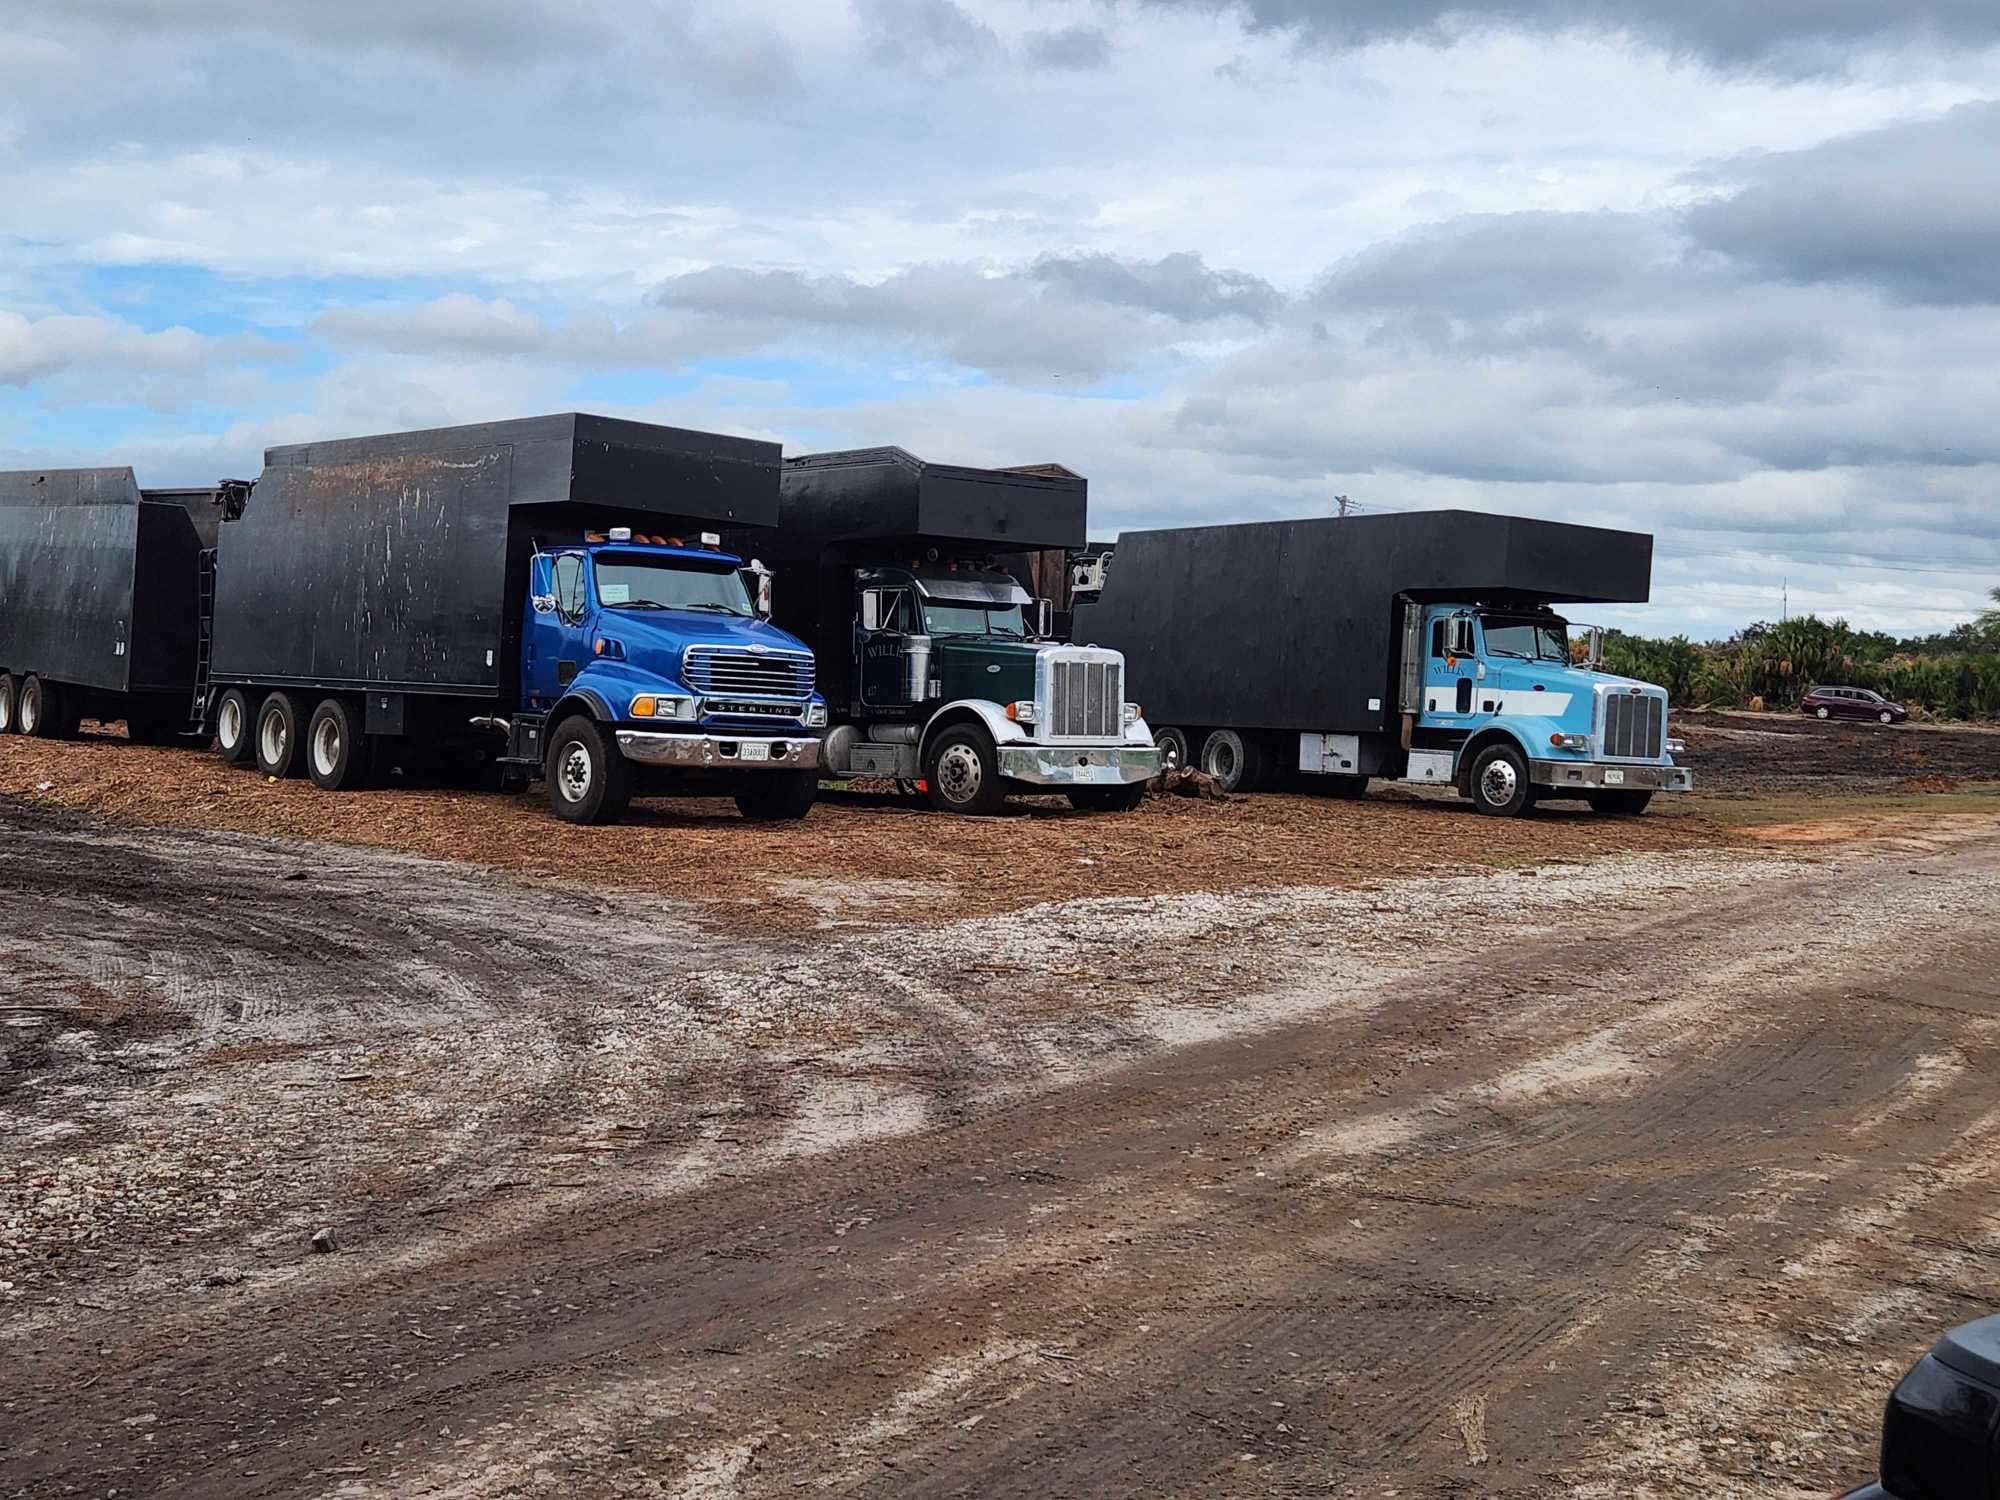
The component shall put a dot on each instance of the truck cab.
(649, 664)
(957, 685)
(1498, 706)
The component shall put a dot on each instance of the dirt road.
(1636, 1177)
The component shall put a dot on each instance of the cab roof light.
(712, 540)
(593, 536)
(621, 533)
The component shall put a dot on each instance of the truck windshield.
(1531, 640)
(641, 583)
(975, 619)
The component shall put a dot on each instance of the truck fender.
(970, 710)
(1471, 750)
(583, 700)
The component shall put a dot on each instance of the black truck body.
(398, 564)
(1294, 625)
(103, 596)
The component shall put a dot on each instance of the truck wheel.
(962, 772)
(1500, 782)
(232, 726)
(10, 694)
(281, 742)
(336, 750)
(589, 781)
(1107, 799)
(1236, 761)
(38, 710)
(1173, 747)
(1617, 804)
(778, 796)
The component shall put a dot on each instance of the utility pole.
(1785, 598)
(1342, 502)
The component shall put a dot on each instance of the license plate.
(753, 750)
(1614, 778)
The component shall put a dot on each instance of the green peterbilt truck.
(936, 663)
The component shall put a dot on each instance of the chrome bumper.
(1592, 775)
(719, 752)
(1079, 765)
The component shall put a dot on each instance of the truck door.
(553, 647)
(1451, 672)
(892, 653)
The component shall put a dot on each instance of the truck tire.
(10, 697)
(962, 772)
(1175, 752)
(1618, 804)
(1238, 762)
(40, 709)
(589, 781)
(1107, 799)
(1499, 782)
(233, 734)
(280, 737)
(778, 796)
(337, 752)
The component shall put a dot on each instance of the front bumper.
(1079, 765)
(1593, 775)
(719, 752)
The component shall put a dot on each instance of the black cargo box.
(99, 579)
(881, 506)
(400, 562)
(1292, 625)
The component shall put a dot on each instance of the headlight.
(1676, 747)
(816, 716)
(662, 706)
(1569, 742)
(1132, 712)
(1023, 712)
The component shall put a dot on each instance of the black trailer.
(907, 579)
(387, 580)
(104, 597)
(1306, 645)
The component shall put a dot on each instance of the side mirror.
(1045, 617)
(762, 588)
(1596, 659)
(541, 587)
(1461, 636)
(871, 610)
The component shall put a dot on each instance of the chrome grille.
(748, 674)
(1086, 699)
(1635, 726)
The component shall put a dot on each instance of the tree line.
(1951, 675)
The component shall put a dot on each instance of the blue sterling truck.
(1420, 647)
(538, 593)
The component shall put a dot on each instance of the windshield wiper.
(640, 604)
(1503, 651)
(721, 609)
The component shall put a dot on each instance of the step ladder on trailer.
(204, 637)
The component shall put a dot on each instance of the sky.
(1725, 273)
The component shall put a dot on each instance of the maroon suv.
(1852, 703)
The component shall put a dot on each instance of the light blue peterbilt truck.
(1424, 648)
